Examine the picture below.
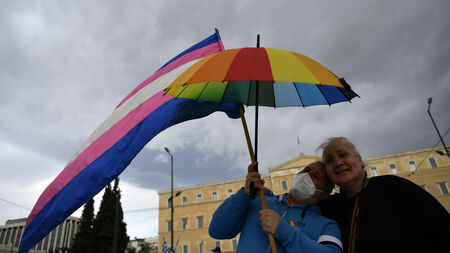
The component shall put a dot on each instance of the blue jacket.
(240, 214)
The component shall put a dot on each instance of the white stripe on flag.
(137, 99)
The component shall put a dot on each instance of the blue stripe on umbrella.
(310, 94)
(332, 93)
(286, 94)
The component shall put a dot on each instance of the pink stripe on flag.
(199, 53)
(98, 147)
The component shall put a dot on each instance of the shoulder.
(388, 179)
(388, 182)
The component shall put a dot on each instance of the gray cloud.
(66, 65)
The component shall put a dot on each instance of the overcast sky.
(65, 65)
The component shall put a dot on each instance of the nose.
(337, 162)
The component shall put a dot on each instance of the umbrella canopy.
(284, 78)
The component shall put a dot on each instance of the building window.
(412, 165)
(184, 221)
(218, 244)
(214, 196)
(169, 203)
(184, 200)
(201, 247)
(374, 171)
(423, 186)
(229, 192)
(393, 168)
(169, 225)
(443, 187)
(185, 249)
(234, 242)
(200, 221)
(199, 198)
(433, 162)
(284, 185)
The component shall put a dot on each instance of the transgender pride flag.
(141, 115)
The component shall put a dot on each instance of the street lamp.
(171, 221)
(171, 198)
(442, 140)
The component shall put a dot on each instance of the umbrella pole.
(247, 135)
(252, 185)
(252, 157)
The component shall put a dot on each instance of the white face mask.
(303, 187)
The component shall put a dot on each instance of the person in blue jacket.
(293, 218)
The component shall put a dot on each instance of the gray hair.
(338, 140)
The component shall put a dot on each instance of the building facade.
(57, 241)
(195, 205)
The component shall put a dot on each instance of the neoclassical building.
(57, 241)
(195, 205)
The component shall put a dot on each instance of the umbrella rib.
(199, 95)
(299, 97)
(224, 92)
(249, 90)
(273, 94)
(184, 87)
(323, 94)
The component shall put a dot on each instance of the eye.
(343, 154)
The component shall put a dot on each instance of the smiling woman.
(383, 214)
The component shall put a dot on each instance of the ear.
(361, 162)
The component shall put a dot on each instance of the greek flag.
(164, 248)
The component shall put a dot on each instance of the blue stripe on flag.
(210, 40)
(111, 163)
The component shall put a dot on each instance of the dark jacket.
(395, 215)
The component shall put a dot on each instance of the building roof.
(297, 162)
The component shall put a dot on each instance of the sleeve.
(293, 239)
(230, 216)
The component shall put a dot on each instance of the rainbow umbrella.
(283, 78)
(260, 76)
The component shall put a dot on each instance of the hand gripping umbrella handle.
(261, 193)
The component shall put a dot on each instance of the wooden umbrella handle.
(273, 245)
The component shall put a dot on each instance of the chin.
(342, 180)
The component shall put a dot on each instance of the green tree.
(122, 237)
(103, 229)
(80, 243)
